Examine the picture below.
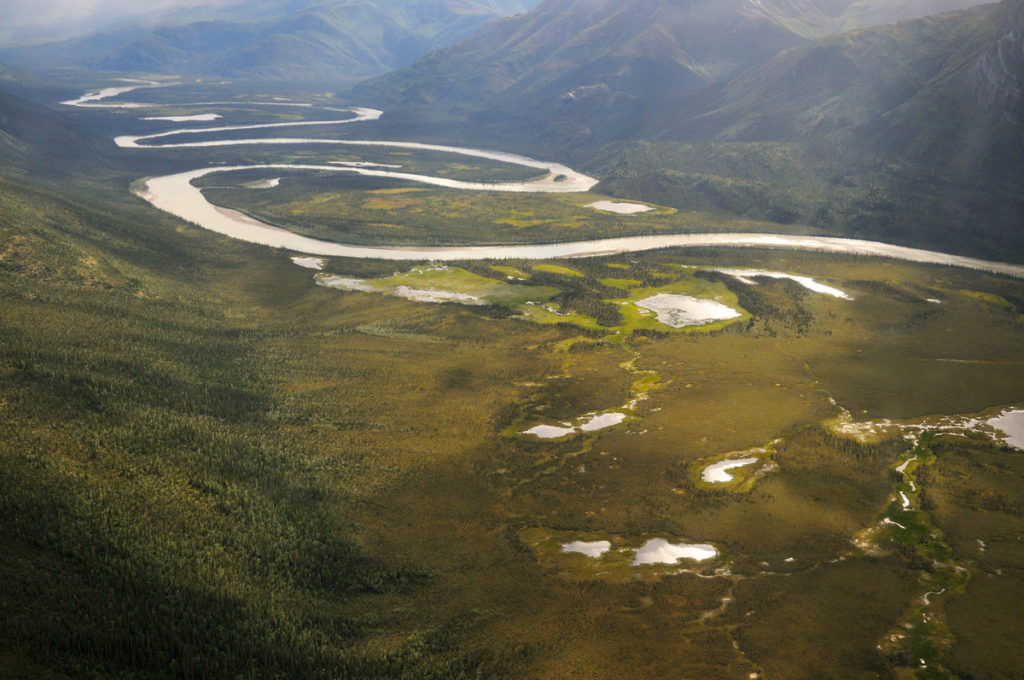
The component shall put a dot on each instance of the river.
(177, 195)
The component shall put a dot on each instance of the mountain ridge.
(907, 133)
(584, 52)
(340, 40)
(30, 132)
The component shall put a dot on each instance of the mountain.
(973, 105)
(593, 63)
(910, 133)
(301, 39)
(885, 81)
(943, 91)
(785, 110)
(37, 140)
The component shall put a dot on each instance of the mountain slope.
(909, 133)
(129, 355)
(973, 105)
(566, 46)
(37, 140)
(301, 40)
(591, 64)
(937, 89)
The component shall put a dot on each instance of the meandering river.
(177, 195)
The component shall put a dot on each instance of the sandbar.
(620, 207)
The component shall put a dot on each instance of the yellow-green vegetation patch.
(520, 223)
(636, 317)
(551, 313)
(567, 344)
(556, 269)
(440, 283)
(589, 556)
(624, 284)
(386, 204)
(522, 218)
(990, 298)
(648, 380)
(616, 265)
(510, 272)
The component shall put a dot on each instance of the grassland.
(211, 466)
(620, 316)
(366, 210)
(226, 430)
(446, 165)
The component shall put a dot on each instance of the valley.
(292, 387)
(442, 455)
(179, 195)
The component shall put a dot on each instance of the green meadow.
(350, 209)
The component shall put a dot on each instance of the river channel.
(177, 195)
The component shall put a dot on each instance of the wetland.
(365, 454)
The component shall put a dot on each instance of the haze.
(505, 339)
(21, 22)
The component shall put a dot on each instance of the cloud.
(27, 21)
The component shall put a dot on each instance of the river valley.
(178, 195)
(660, 447)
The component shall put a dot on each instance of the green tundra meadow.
(214, 466)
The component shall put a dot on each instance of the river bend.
(177, 195)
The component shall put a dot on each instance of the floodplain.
(229, 455)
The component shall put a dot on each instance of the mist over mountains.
(599, 54)
(924, 87)
(297, 40)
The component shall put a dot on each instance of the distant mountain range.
(819, 112)
(276, 39)
(855, 117)
(935, 88)
(911, 133)
(614, 57)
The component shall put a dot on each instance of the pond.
(660, 551)
(678, 311)
(717, 473)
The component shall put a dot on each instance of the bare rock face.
(998, 75)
